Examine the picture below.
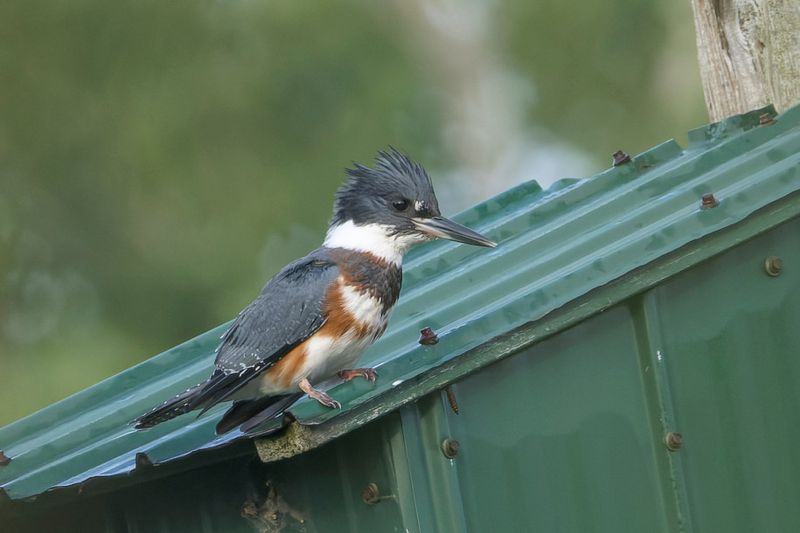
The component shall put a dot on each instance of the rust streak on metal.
(4, 459)
(766, 119)
(451, 398)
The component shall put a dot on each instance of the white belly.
(326, 355)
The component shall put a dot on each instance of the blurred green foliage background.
(160, 160)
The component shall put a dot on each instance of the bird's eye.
(400, 205)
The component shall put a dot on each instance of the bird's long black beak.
(443, 228)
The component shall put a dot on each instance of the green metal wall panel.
(730, 343)
(568, 435)
(557, 437)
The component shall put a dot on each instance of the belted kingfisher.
(314, 318)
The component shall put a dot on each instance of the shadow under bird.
(314, 318)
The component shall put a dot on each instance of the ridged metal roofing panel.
(555, 245)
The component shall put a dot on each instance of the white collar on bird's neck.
(377, 239)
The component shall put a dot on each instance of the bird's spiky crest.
(394, 173)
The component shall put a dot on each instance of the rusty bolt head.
(4, 459)
(450, 448)
(620, 158)
(766, 119)
(427, 337)
(371, 494)
(773, 265)
(708, 201)
(674, 441)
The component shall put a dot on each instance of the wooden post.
(749, 53)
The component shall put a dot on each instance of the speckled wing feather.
(287, 312)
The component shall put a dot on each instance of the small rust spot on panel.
(620, 158)
(451, 398)
(773, 265)
(371, 494)
(4, 459)
(450, 448)
(674, 441)
(766, 119)
(708, 201)
(427, 337)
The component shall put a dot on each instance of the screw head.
(427, 337)
(773, 265)
(450, 448)
(708, 201)
(371, 494)
(619, 158)
(674, 441)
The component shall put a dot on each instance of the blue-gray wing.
(287, 312)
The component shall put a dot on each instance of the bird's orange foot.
(367, 373)
(322, 397)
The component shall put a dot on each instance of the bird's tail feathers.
(217, 388)
(180, 404)
(251, 413)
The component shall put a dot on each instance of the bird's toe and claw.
(322, 397)
(325, 399)
(367, 373)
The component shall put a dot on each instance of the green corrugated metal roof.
(555, 246)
